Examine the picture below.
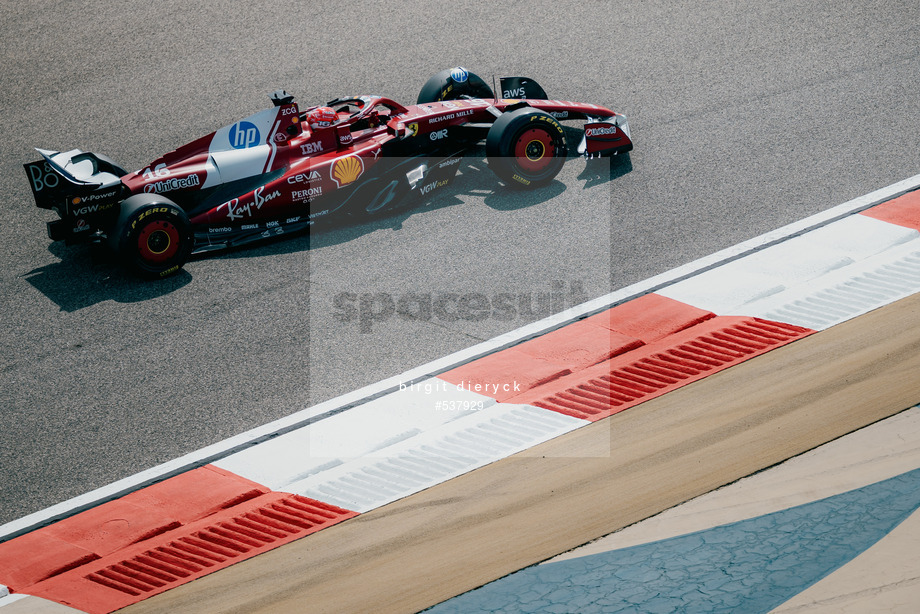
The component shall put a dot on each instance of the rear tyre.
(451, 84)
(526, 148)
(153, 236)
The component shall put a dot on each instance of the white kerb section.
(362, 431)
(396, 445)
(817, 279)
(436, 456)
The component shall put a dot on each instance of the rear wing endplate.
(61, 174)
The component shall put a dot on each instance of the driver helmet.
(321, 117)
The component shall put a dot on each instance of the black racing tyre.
(526, 148)
(378, 197)
(451, 84)
(153, 236)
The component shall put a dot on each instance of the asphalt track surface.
(745, 118)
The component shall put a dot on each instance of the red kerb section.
(575, 346)
(157, 538)
(903, 211)
(661, 367)
(651, 317)
(621, 357)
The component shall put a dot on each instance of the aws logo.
(346, 170)
(243, 135)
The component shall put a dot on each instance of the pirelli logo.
(148, 213)
(548, 119)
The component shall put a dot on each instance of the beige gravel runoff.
(458, 535)
(877, 452)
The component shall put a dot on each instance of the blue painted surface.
(748, 566)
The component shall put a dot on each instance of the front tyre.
(526, 148)
(153, 236)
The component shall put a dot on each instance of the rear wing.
(59, 175)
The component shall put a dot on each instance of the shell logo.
(346, 170)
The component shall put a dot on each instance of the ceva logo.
(244, 134)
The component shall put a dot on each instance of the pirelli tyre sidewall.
(153, 236)
(451, 84)
(526, 148)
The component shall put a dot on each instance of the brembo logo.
(243, 134)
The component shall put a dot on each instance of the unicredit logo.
(173, 183)
(600, 131)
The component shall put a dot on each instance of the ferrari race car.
(281, 169)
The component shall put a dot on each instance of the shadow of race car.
(280, 170)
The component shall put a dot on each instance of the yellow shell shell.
(347, 169)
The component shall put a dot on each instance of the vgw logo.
(243, 135)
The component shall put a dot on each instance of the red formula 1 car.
(280, 169)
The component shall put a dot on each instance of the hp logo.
(243, 135)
